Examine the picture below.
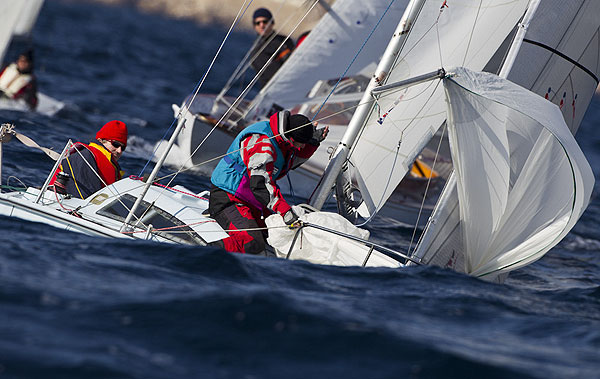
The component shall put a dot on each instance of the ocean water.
(73, 306)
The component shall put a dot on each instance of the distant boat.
(18, 19)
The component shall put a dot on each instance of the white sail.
(330, 47)
(466, 33)
(10, 11)
(560, 51)
(27, 18)
(522, 180)
(559, 57)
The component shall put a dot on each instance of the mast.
(511, 56)
(334, 167)
(150, 180)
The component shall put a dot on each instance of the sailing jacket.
(267, 46)
(84, 179)
(257, 158)
(18, 85)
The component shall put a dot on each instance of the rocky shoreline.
(224, 12)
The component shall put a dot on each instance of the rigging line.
(235, 151)
(245, 63)
(101, 180)
(565, 57)
(417, 42)
(354, 59)
(223, 155)
(246, 90)
(229, 113)
(382, 201)
(439, 42)
(201, 82)
(472, 32)
(412, 238)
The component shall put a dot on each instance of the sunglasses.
(117, 144)
(256, 23)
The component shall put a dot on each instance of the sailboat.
(521, 181)
(18, 19)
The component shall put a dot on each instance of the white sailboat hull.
(101, 214)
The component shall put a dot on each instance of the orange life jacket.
(108, 170)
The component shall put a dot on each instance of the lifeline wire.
(353, 59)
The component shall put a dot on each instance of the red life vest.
(109, 172)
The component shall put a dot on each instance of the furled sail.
(460, 33)
(330, 47)
(522, 180)
(557, 59)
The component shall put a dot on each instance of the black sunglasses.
(261, 22)
(117, 144)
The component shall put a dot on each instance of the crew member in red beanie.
(88, 168)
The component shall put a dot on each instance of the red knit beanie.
(114, 131)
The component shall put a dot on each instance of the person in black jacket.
(89, 168)
(269, 44)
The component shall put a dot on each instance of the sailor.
(245, 189)
(18, 82)
(91, 167)
(269, 44)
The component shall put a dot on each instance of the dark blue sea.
(73, 306)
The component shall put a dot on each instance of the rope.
(426, 190)
(353, 59)
(181, 169)
(74, 180)
(248, 87)
(206, 231)
(235, 151)
(201, 82)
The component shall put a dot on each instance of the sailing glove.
(291, 219)
(318, 136)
